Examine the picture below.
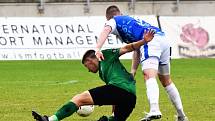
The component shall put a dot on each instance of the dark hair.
(88, 54)
(111, 11)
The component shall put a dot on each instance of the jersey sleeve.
(112, 24)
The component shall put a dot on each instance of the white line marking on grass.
(62, 83)
(54, 83)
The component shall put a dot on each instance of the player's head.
(90, 61)
(112, 11)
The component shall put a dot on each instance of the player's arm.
(135, 62)
(148, 36)
(102, 37)
(110, 26)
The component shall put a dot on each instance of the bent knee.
(82, 98)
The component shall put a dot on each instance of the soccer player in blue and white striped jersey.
(154, 57)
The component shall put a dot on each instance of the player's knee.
(81, 99)
(76, 99)
(166, 83)
(149, 73)
(165, 80)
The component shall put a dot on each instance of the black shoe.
(38, 117)
(103, 118)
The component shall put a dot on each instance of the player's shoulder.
(122, 16)
(111, 21)
(112, 50)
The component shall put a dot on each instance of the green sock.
(67, 110)
(111, 118)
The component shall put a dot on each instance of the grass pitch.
(45, 86)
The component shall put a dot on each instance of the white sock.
(153, 94)
(174, 96)
(53, 118)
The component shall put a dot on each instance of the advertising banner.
(191, 37)
(41, 38)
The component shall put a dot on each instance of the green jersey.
(111, 71)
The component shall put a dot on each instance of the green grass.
(46, 85)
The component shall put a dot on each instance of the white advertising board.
(191, 37)
(42, 38)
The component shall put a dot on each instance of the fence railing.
(56, 1)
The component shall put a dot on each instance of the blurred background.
(36, 33)
(97, 7)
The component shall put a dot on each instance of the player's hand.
(99, 55)
(148, 35)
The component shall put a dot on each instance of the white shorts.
(153, 63)
(156, 53)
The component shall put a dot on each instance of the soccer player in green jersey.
(120, 89)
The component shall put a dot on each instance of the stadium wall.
(163, 8)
